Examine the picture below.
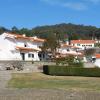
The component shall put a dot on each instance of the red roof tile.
(33, 39)
(97, 55)
(27, 49)
(82, 41)
(70, 46)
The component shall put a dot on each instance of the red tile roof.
(65, 45)
(70, 46)
(33, 39)
(37, 39)
(70, 53)
(97, 55)
(27, 49)
(74, 47)
(82, 41)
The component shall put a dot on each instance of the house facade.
(20, 47)
(66, 49)
(97, 61)
(83, 44)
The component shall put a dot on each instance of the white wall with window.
(32, 56)
(18, 47)
(20, 43)
(66, 50)
(83, 46)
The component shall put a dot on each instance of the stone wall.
(26, 65)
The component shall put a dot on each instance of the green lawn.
(41, 81)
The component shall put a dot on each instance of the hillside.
(62, 31)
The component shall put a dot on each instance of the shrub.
(71, 71)
(69, 61)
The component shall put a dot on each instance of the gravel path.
(5, 76)
(41, 94)
(47, 94)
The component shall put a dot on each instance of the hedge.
(71, 71)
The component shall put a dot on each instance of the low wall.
(27, 65)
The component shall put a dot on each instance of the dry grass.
(40, 80)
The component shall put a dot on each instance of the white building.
(68, 50)
(97, 62)
(83, 44)
(19, 47)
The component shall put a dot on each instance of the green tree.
(26, 31)
(15, 30)
(3, 29)
(51, 44)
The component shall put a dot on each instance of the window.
(25, 45)
(29, 55)
(78, 44)
(67, 49)
(32, 55)
(83, 45)
(39, 55)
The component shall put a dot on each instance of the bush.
(71, 71)
(69, 61)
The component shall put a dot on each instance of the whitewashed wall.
(64, 50)
(8, 48)
(82, 47)
(97, 62)
(36, 58)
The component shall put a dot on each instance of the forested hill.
(60, 30)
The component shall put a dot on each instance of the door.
(23, 56)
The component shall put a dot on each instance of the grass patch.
(42, 81)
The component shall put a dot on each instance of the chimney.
(35, 37)
(24, 35)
